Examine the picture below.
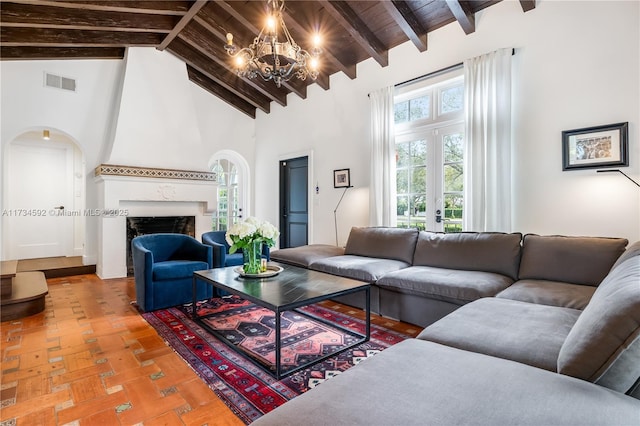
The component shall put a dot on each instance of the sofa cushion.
(176, 269)
(305, 255)
(577, 260)
(423, 383)
(604, 344)
(449, 285)
(471, 251)
(551, 293)
(382, 242)
(368, 269)
(519, 331)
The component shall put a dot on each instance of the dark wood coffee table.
(292, 288)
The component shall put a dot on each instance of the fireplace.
(154, 225)
(141, 194)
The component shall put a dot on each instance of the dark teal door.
(294, 206)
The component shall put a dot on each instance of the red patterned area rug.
(245, 387)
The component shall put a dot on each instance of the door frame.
(76, 244)
(310, 185)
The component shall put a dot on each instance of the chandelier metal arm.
(271, 58)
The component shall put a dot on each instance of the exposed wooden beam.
(349, 19)
(217, 90)
(158, 7)
(22, 53)
(349, 70)
(26, 15)
(198, 36)
(465, 18)
(408, 22)
(195, 8)
(74, 38)
(219, 74)
(527, 5)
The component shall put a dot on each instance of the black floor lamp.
(341, 179)
(619, 171)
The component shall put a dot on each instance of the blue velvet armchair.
(221, 256)
(163, 266)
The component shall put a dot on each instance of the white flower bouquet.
(249, 235)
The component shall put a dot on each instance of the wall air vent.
(59, 82)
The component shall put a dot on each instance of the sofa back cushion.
(382, 242)
(576, 260)
(604, 344)
(471, 251)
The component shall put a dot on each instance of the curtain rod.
(434, 73)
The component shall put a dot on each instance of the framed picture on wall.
(342, 178)
(596, 147)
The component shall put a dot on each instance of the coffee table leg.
(368, 312)
(194, 313)
(278, 344)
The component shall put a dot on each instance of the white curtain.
(383, 179)
(487, 183)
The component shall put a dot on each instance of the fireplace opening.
(154, 225)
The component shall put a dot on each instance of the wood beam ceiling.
(465, 17)
(402, 14)
(195, 32)
(350, 20)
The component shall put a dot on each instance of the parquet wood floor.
(90, 359)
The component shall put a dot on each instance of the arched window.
(232, 197)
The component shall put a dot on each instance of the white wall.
(576, 65)
(90, 116)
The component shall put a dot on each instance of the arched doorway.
(43, 196)
(233, 189)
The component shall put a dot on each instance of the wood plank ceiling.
(195, 32)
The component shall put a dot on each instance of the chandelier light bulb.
(274, 55)
(271, 23)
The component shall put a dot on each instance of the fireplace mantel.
(137, 191)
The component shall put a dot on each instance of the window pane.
(419, 206)
(403, 208)
(453, 148)
(402, 181)
(402, 154)
(419, 180)
(451, 99)
(401, 112)
(453, 206)
(453, 177)
(419, 108)
(418, 152)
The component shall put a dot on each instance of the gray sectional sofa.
(519, 330)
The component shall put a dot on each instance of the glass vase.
(251, 256)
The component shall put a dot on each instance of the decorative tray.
(271, 271)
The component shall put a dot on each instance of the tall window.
(227, 209)
(429, 123)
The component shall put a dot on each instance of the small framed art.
(596, 147)
(342, 178)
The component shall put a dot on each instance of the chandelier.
(272, 58)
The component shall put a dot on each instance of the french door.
(429, 178)
(229, 208)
